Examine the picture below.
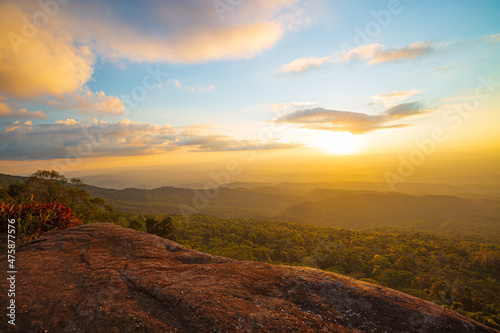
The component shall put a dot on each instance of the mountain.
(350, 209)
(364, 209)
(471, 210)
(105, 278)
(7, 180)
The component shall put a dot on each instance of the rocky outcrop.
(105, 278)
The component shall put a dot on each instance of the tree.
(135, 224)
(46, 186)
(163, 228)
(406, 263)
(17, 190)
(4, 195)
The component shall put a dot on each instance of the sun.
(338, 143)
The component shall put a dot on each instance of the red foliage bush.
(33, 218)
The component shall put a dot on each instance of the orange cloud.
(7, 112)
(57, 57)
(43, 62)
(187, 31)
(92, 102)
(5, 109)
(411, 51)
(239, 41)
(353, 122)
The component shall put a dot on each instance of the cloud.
(333, 120)
(55, 56)
(235, 145)
(180, 86)
(443, 68)
(353, 122)
(90, 102)
(405, 110)
(281, 108)
(302, 64)
(411, 51)
(5, 109)
(25, 114)
(388, 100)
(7, 112)
(46, 61)
(177, 31)
(73, 139)
(244, 41)
(495, 38)
(361, 53)
(374, 53)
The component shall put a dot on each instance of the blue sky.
(240, 85)
(230, 71)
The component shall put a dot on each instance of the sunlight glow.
(337, 143)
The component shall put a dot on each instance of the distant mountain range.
(472, 210)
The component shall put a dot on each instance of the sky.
(87, 86)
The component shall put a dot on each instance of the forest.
(458, 271)
(460, 274)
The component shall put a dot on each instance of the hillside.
(471, 210)
(350, 209)
(362, 210)
(124, 280)
(6, 180)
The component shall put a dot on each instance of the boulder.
(105, 278)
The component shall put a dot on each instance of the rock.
(105, 278)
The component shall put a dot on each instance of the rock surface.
(105, 278)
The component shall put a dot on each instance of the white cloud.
(495, 38)
(393, 98)
(374, 53)
(361, 53)
(180, 86)
(282, 108)
(411, 51)
(302, 64)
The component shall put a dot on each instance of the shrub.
(33, 218)
(47, 187)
